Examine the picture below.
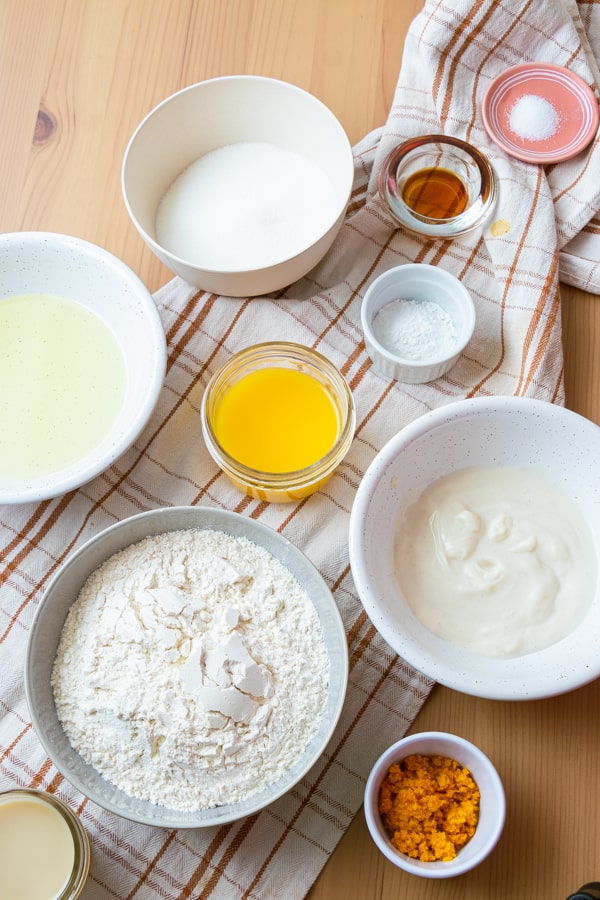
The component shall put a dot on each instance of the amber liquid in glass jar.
(436, 193)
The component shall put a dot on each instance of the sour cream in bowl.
(474, 546)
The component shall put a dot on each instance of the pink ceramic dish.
(573, 100)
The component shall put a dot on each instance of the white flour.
(191, 670)
(415, 329)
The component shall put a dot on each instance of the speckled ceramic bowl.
(436, 154)
(47, 626)
(492, 802)
(557, 444)
(75, 270)
(23, 803)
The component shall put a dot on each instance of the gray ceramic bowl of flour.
(50, 618)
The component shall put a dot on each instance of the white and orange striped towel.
(453, 51)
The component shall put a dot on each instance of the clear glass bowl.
(279, 487)
(438, 186)
(81, 858)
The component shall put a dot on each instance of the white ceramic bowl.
(492, 811)
(500, 431)
(418, 282)
(216, 113)
(46, 629)
(67, 267)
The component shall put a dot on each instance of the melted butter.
(496, 560)
(500, 227)
(37, 852)
(276, 420)
(62, 383)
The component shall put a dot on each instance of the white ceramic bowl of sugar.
(416, 319)
(238, 184)
(73, 316)
(47, 627)
(559, 447)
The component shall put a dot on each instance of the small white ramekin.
(492, 810)
(419, 282)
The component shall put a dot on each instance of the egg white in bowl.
(73, 315)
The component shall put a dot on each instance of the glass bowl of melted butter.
(438, 185)
(278, 418)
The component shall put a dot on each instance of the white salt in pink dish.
(540, 112)
(416, 320)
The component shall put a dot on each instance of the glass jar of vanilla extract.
(438, 185)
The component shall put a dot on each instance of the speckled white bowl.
(492, 803)
(47, 626)
(68, 267)
(420, 282)
(499, 431)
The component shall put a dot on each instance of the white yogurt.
(496, 560)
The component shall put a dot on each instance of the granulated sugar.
(192, 670)
(245, 206)
(415, 329)
(533, 118)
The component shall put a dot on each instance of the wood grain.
(76, 77)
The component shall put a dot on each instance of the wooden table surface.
(76, 77)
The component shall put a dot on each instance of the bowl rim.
(120, 535)
(181, 261)
(455, 746)
(415, 655)
(74, 476)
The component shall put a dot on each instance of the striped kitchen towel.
(453, 51)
